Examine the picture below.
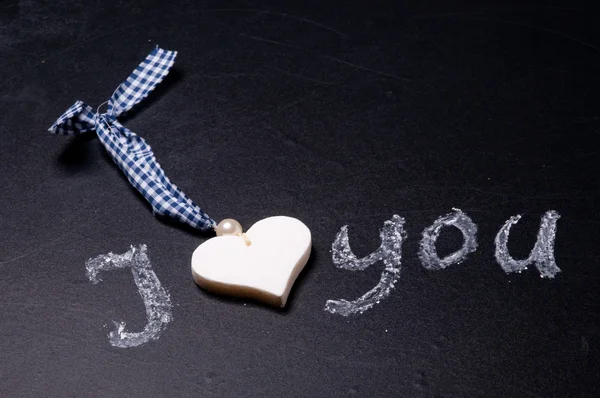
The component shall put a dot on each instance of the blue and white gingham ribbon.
(129, 151)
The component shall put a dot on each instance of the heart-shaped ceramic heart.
(264, 265)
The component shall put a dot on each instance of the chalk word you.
(390, 253)
(156, 299)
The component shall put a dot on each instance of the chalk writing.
(542, 254)
(390, 252)
(428, 253)
(156, 299)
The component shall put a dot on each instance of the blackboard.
(336, 114)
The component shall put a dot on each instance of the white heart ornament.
(263, 266)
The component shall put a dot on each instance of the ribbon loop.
(131, 152)
(78, 119)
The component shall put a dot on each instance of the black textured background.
(334, 114)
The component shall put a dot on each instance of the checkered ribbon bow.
(129, 151)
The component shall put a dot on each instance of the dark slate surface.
(332, 114)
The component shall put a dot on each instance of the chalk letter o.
(427, 251)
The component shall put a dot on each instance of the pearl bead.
(229, 227)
